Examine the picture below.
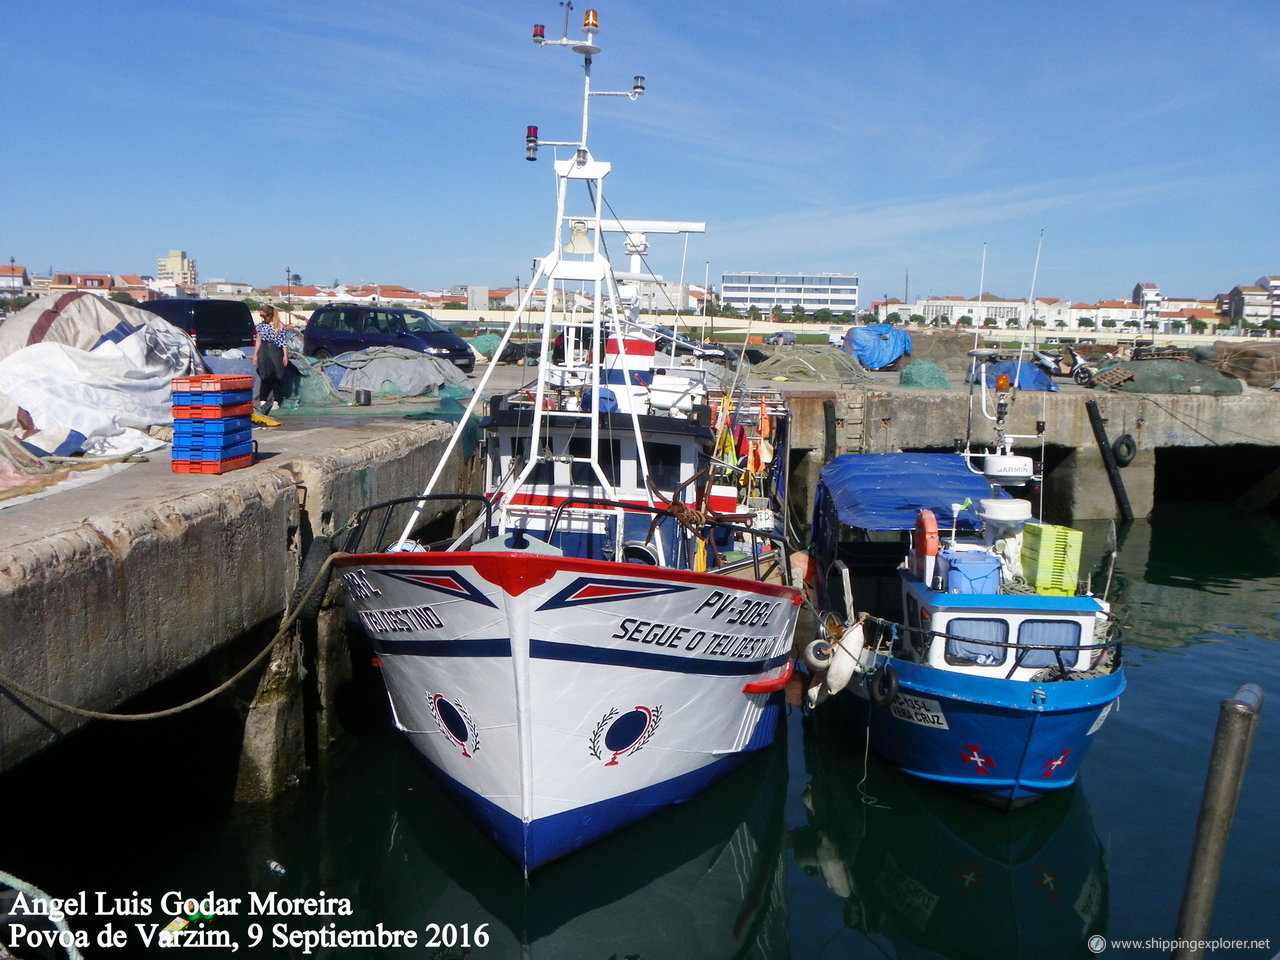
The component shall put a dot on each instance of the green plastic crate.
(1051, 558)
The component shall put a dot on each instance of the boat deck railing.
(378, 518)
(368, 529)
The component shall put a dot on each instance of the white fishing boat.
(611, 632)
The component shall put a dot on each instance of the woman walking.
(270, 358)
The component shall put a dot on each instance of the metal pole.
(1098, 422)
(1237, 722)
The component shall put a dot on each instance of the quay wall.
(114, 587)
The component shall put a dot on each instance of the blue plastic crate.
(212, 441)
(206, 428)
(205, 398)
(216, 453)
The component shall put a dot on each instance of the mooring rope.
(22, 886)
(285, 626)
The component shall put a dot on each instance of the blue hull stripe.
(444, 648)
(574, 653)
(541, 841)
(640, 659)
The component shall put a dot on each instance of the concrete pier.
(110, 588)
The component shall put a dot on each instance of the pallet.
(1113, 377)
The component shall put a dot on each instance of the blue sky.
(382, 141)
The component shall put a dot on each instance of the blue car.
(343, 328)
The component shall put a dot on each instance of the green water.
(811, 851)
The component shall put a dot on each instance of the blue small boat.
(952, 625)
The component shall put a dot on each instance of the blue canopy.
(885, 491)
(877, 345)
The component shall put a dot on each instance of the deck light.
(590, 23)
(539, 33)
(531, 143)
(637, 87)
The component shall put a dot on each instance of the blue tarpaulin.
(877, 345)
(885, 491)
(1022, 376)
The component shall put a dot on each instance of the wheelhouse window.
(976, 642)
(582, 474)
(664, 466)
(1048, 633)
(544, 472)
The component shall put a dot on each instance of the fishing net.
(923, 373)
(486, 344)
(451, 410)
(1173, 376)
(811, 364)
(1258, 365)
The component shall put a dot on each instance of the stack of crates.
(212, 423)
(1051, 558)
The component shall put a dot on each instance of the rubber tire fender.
(1124, 449)
(313, 559)
(883, 686)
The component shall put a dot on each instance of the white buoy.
(845, 658)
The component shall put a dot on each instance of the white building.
(837, 292)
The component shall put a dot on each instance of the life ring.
(1124, 449)
(883, 686)
(924, 539)
(313, 561)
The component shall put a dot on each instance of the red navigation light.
(531, 143)
(590, 22)
(539, 33)
(1002, 382)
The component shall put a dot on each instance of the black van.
(215, 325)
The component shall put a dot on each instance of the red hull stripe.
(632, 348)
(516, 572)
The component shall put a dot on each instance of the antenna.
(1031, 297)
(587, 48)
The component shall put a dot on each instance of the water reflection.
(704, 880)
(924, 872)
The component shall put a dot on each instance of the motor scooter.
(1068, 363)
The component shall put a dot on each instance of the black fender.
(1124, 449)
(883, 686)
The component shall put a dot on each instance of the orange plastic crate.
(213, 381)
(217, 412)
(212, 466)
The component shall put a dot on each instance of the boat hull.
(561, 699)
(1006, 742)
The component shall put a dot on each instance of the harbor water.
(812, 850)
